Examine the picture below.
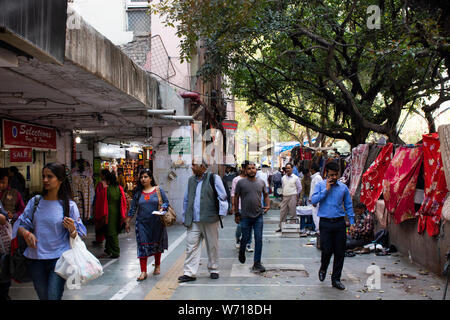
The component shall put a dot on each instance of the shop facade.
(29, 147)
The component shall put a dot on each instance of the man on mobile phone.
(333, 196)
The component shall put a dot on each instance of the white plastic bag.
(77, 265)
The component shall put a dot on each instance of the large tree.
(320, 63)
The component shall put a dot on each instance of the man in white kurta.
(315, 178)
(291, 189)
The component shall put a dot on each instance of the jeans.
(239, 234)
(276, 185)
(48, 284)
(307, 221)
(257, 224)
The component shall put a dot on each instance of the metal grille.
(138, 20)
(160, 61)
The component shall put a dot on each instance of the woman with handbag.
(151, 234)
(47, 229)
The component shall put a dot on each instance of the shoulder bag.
(170, 216)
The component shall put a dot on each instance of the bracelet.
(73, 232)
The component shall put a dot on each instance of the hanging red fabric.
(372, 179)
(399, 184)
(430, 211)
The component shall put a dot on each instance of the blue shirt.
(332, 202)
(52, 237)
(221, 195)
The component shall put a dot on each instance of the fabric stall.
(374, 151)
(372, 179)
(400, 182)
(435, 186)
(444, 135)
(359, 157)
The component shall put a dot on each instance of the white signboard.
(111, 151)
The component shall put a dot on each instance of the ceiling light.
(78, 139)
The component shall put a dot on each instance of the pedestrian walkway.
(291, 273)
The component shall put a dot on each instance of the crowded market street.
(291, 273)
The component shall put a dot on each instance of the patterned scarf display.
(359, 157)
(372, 179)
(435, 186)
(399, 184)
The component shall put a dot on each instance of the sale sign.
(18, 134)
(21, 155)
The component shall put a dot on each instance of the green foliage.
(315, 62)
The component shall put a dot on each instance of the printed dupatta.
(399, 184)
(435, 186)
(359, 157)
(372, 179)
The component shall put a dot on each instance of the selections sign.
(21, 155)
(18, 134)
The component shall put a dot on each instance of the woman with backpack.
(151, 234)
(46, 226)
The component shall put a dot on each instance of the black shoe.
(257, 266)
(279, 230)
(185, 278)
(337, 284)
(214, 275)
(242, 255)
(322, 275)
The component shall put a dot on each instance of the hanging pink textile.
(372, 179)
(399, 184)
(359, 157)
(435, 186)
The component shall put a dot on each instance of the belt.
(332, 219)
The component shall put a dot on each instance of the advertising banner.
(21, 155)
(18, 134)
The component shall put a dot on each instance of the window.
(138, 17)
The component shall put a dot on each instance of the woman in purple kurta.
(151, 234)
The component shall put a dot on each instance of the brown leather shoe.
(157, 270)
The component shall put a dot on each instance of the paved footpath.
(291, 273)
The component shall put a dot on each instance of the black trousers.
(332, 242)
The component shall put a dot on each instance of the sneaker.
(258, 267)
(238, 244)
(249, 248)
(242, 256)
(185, 278)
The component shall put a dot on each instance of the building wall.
(426, 251)
(107, 16)
(163, 164)
(172, 43)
